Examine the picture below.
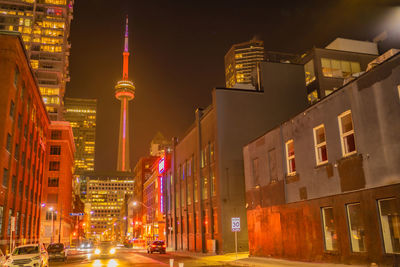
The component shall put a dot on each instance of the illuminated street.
(130, 257)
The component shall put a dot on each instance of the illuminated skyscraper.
(240, 61)
(44, 26)
(124, 91)
(81, 113)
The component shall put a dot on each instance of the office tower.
(81, 113)
(240, 61)
(45, 26)
(106, 193)
(124, 91)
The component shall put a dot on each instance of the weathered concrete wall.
(241, 116)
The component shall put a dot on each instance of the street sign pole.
(235, 228)
(236, 243)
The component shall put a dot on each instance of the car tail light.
(153, 246)
(164, 246)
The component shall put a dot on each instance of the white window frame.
(349, 224)
(289, 158)
(344, 135)
(387, 247)
(318, 146)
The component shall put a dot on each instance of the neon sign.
(161, 166)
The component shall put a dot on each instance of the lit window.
(309, 72)
(290, 160)
(356, 227)
(339, 68)
(330, 236)
(389, 213)
(398, 90)
(347, 133)
(321, 153)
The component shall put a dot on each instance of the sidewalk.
(243, 259)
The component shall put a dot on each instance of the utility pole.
(59, 227)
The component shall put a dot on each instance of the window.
(256, 172)
(347, 133)
(213, 183)
(356, 227)
(56, 135)
(8, 144)
(16, 152)
(328, 223)
(52, 182)
(1, 217)
(54, 166)
(339, 68)
(290, 161)
(212, 152)
(9, 221)
(16, 76)
(17, 223)
(195, 190)
(13, 183)
(5, 177)
(389, 213)
(309, 72)
(205, 188)
(21, 188)
(321, 153)
(398, 90)
(12, 107)
(51, 215)
(55, 150)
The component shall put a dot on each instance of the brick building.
(56, 224)
(325, 185)
(23, 132)
(141, 173)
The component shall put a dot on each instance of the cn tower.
(124, 91)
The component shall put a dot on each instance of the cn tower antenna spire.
(124, 92)
(126, 52)
(126, 35)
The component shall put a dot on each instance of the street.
(131, 257)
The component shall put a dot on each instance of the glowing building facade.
(124, 91)
(44, 26)
(240, 61)
(81, 113)
(106, 193)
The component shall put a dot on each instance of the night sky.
(177, 53)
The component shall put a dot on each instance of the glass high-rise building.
(240, 61)
(44, 26)
(81, 114)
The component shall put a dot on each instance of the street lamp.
(135, 203)
(52, 224)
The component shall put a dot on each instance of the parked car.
(104, 249)
(2, 258)
(57, 251)
(33, 255)
(158, 246)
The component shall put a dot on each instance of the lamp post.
(135, 203)
(52, 224)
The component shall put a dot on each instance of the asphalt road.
(130, 257)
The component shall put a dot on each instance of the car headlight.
(97, 251)
(112, 251)
(36, 258)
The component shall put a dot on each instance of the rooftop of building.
(17, 35)
(379, 65)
